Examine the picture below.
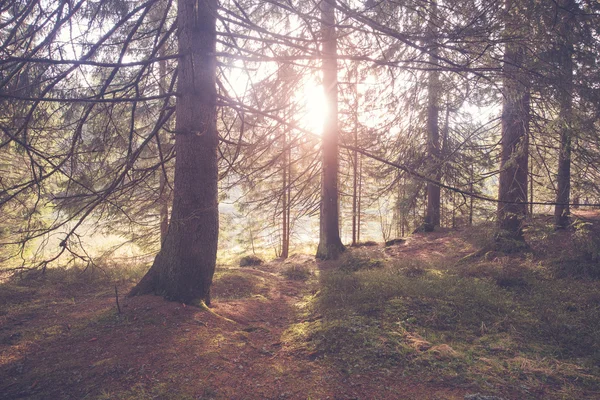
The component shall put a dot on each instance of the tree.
(565, 94)
(512, 189)
(330, 244)
(432, 216)
(184, 267)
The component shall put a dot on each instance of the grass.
(507, 324)
(297, 272)
(523, 326)
(235, 284)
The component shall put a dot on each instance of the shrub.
(249, 261)
(297, 272)
(584, 260)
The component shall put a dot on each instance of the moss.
(234, 284)
(297, 272)
(499, 309)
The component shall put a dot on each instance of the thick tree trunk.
(512, 190)
(565, 93)
(432, 214)
(330, 244)
(184, 267)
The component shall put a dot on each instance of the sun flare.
(314, 107)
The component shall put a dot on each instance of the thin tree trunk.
(444, 211)
(285, 245)
(432, 214)
(398, 207)
(184, 267)
(330, 244)
(288, 232)
(354, 197)
(453, 210)
(512, 190)
(471, 188)
(531, 189)
(403, 215)
(355, 167)
(561, 210)
(358, 212)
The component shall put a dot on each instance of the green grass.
(234, 284)
(507, 326)
(297, 272)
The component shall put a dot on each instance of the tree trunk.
(531, 189)
(330, 244)
(565, 93)
(512, 190)
(285, 229)
(471, 199)
(358, 200)
(184, 267)
(163, 199)
(355, 167)
(432, 214)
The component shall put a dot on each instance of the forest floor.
(410, 321)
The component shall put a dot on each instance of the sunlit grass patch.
(355, 343)
(77, 276)
(457, 325)
(297, 272)
(236, 284)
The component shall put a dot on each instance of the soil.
(69, 342)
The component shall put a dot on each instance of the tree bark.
(512, 190)
(432, 214)
(565, 93)
(330, 244)
(355, 178)
(285, 212)
(531, 193)
(163, 199)
(359, 199)
(184, 267)
(471, 189)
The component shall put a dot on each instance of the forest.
(287, 199)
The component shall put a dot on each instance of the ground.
(64, 338)
(73, 344)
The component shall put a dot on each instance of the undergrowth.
(506, 324)
(234, 284)
(297, 272)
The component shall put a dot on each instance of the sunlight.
(315, 108)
